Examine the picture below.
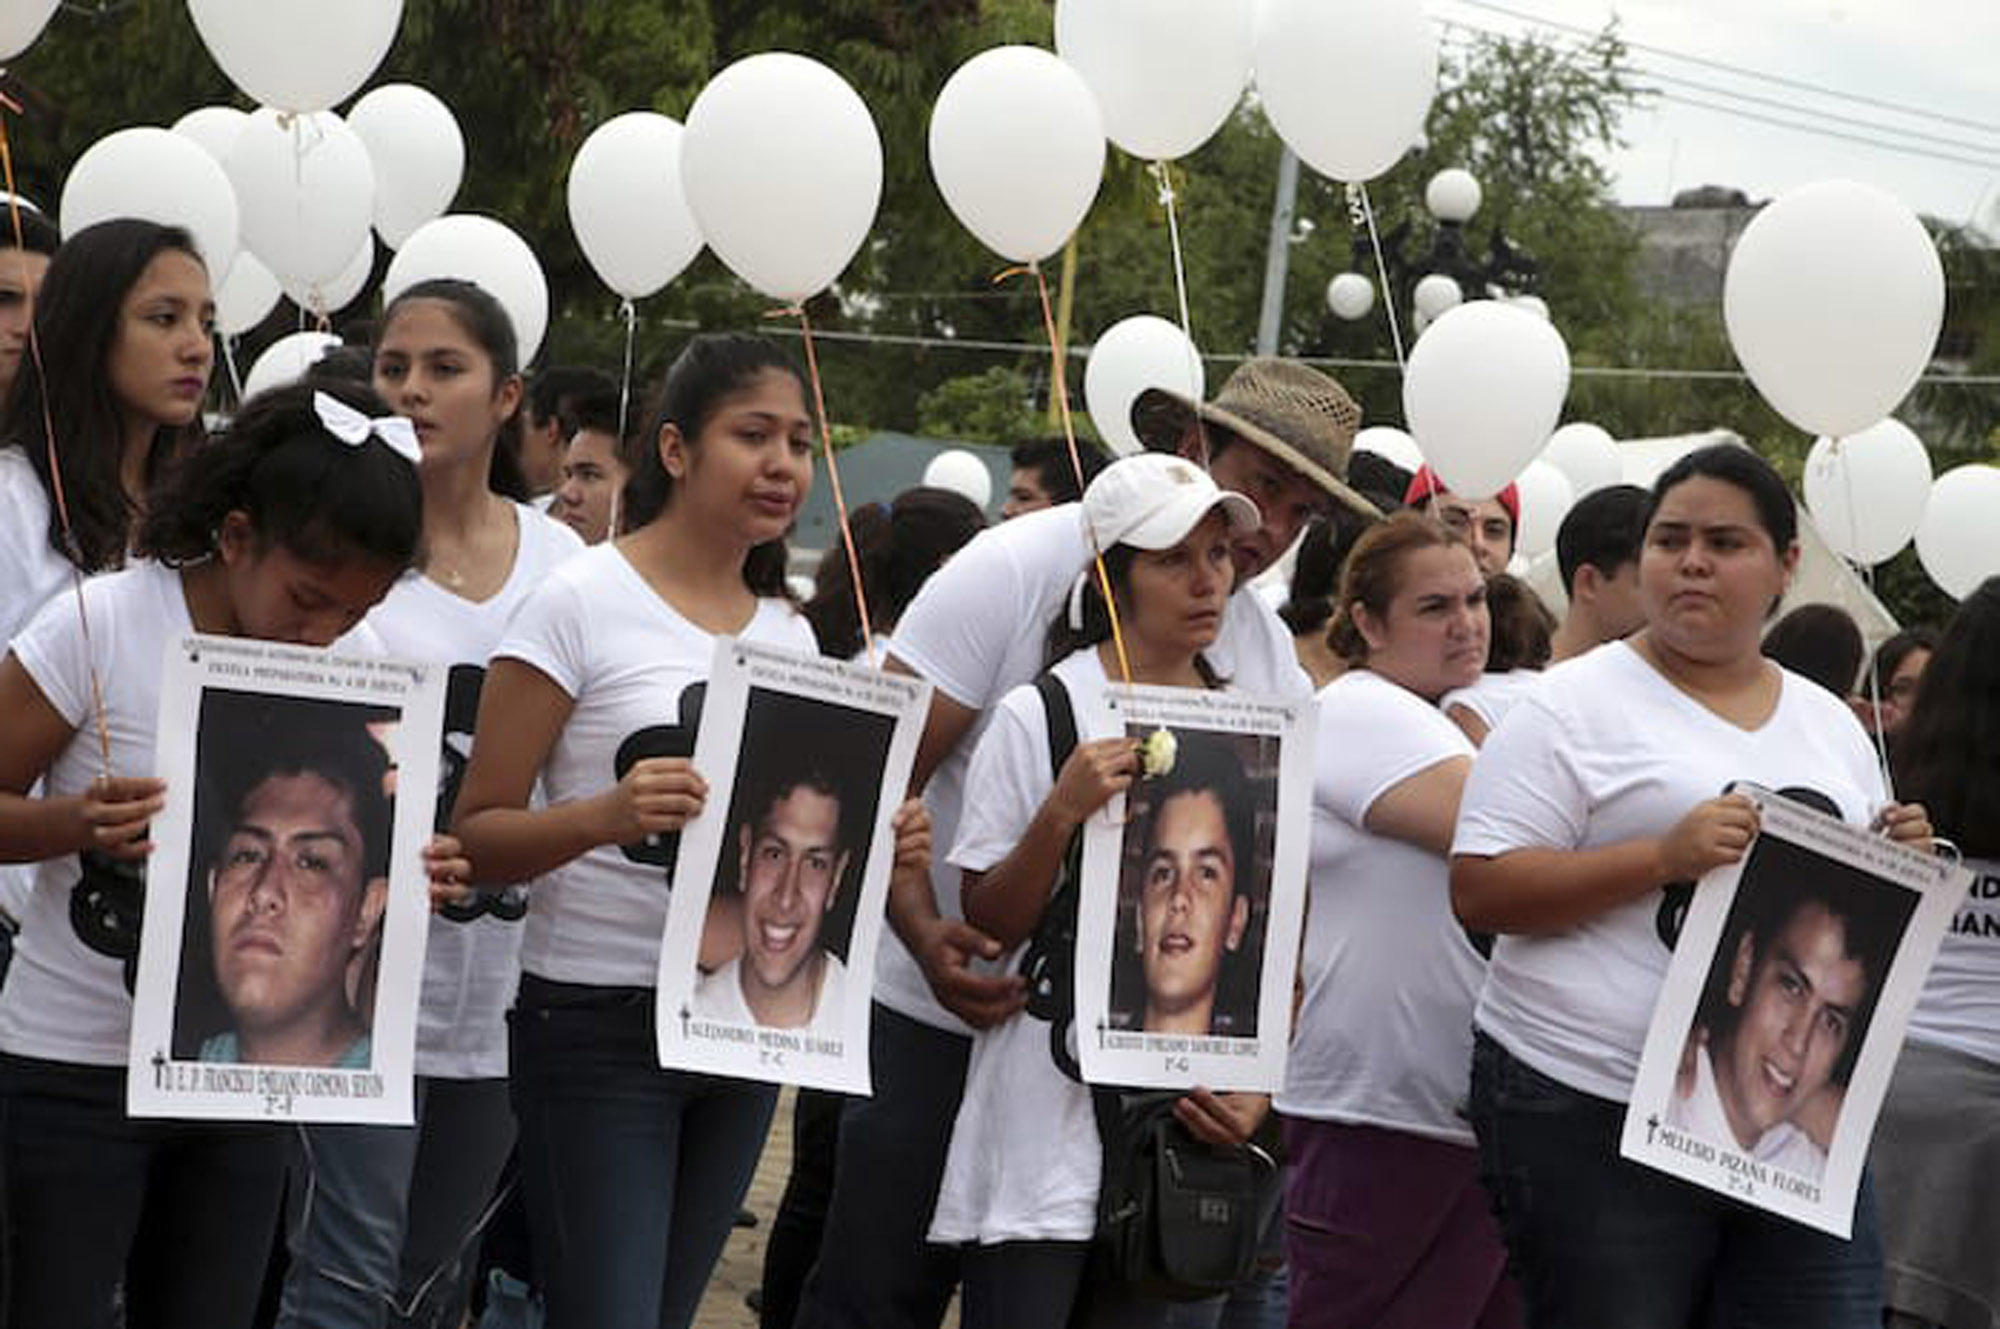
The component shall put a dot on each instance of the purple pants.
(1386, 1230)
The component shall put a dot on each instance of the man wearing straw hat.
(1278, 432)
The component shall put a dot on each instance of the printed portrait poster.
(780, 893)
(1193, 894)
(1783, 1010)
(282, 949)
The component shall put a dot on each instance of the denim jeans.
(875, 1270)
(182, 1212)
(1599, 1242)
(385, 1216)
(793, 1247)
(632, 1174)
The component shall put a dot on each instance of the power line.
(1987, 163)
(1743, 71)
(1782, 105)
(1075, 351)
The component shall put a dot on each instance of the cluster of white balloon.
(288, 199)
(1833, 300)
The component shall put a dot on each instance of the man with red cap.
(1488, 524)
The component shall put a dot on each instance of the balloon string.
(1837, 453)
(229, 363)
(1162, 174)
(839, 499)
(1059, 386)
(631, 317)
(70, 545)
(1382, 272)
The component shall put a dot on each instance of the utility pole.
(1278, 257)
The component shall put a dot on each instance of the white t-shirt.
(1960, 1005)
(1610, 751)
(719, 996)
(1700, 1113)
(1385, 1033)
(979, 629)
(1491, 696)
(31, 572)
(637, 672)
(30, 569)
(65, 999)
(473, 958)
(1025, 1163)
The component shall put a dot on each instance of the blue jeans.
(632, 1174)
(182, 1212)
(1599, 1242)
(386, 1215)
(875, 1270)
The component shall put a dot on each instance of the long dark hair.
(1777, 513)
(712, 367)
(1947, 756)
(302, 488)
(77, 315)
(484, 319)
(898, 545)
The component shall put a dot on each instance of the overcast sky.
(1937, 56)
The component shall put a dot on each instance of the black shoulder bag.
(1177, 1218)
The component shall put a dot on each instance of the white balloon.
(1453, 195)
(1483, 391)
(962, 473)
(1867, 492)
(1017, 150)
(1955, 541)
(156, 175)
(286, 361)
(21, 21)
(1587, 454)
(1833, 300)
(1546, 498)
(1166, 73)
(297, 55)
(627, 207)
(1390, 444)
(308, 194)
(783, 169)
(1133, 355)
(1350, 296)
(487, 254)
(1434, 294)
(216, 128)
(1531, 304)
(331, 297)
(418, 152)
(1346, 83)
(246, 298)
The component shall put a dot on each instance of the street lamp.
(1446, 273)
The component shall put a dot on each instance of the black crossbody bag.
(1177, 1217)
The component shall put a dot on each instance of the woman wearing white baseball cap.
(1021, 1180)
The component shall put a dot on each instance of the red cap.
(1425, 484)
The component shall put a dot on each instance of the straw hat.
(1294, 412)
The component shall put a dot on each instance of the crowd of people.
(1510, 809)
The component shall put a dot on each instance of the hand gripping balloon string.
(1059, 387)
(70, 544)
(833, 474)
(1360, 192)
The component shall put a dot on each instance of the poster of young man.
(282, 948)
(779, 893)
(1783, 1011)
(1193, 895)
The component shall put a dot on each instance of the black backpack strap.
(1050, 958)
(1061, 717)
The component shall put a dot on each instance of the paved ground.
(742, 1266)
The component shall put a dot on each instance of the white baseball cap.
(1152, 500)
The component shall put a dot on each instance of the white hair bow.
(354, 429)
